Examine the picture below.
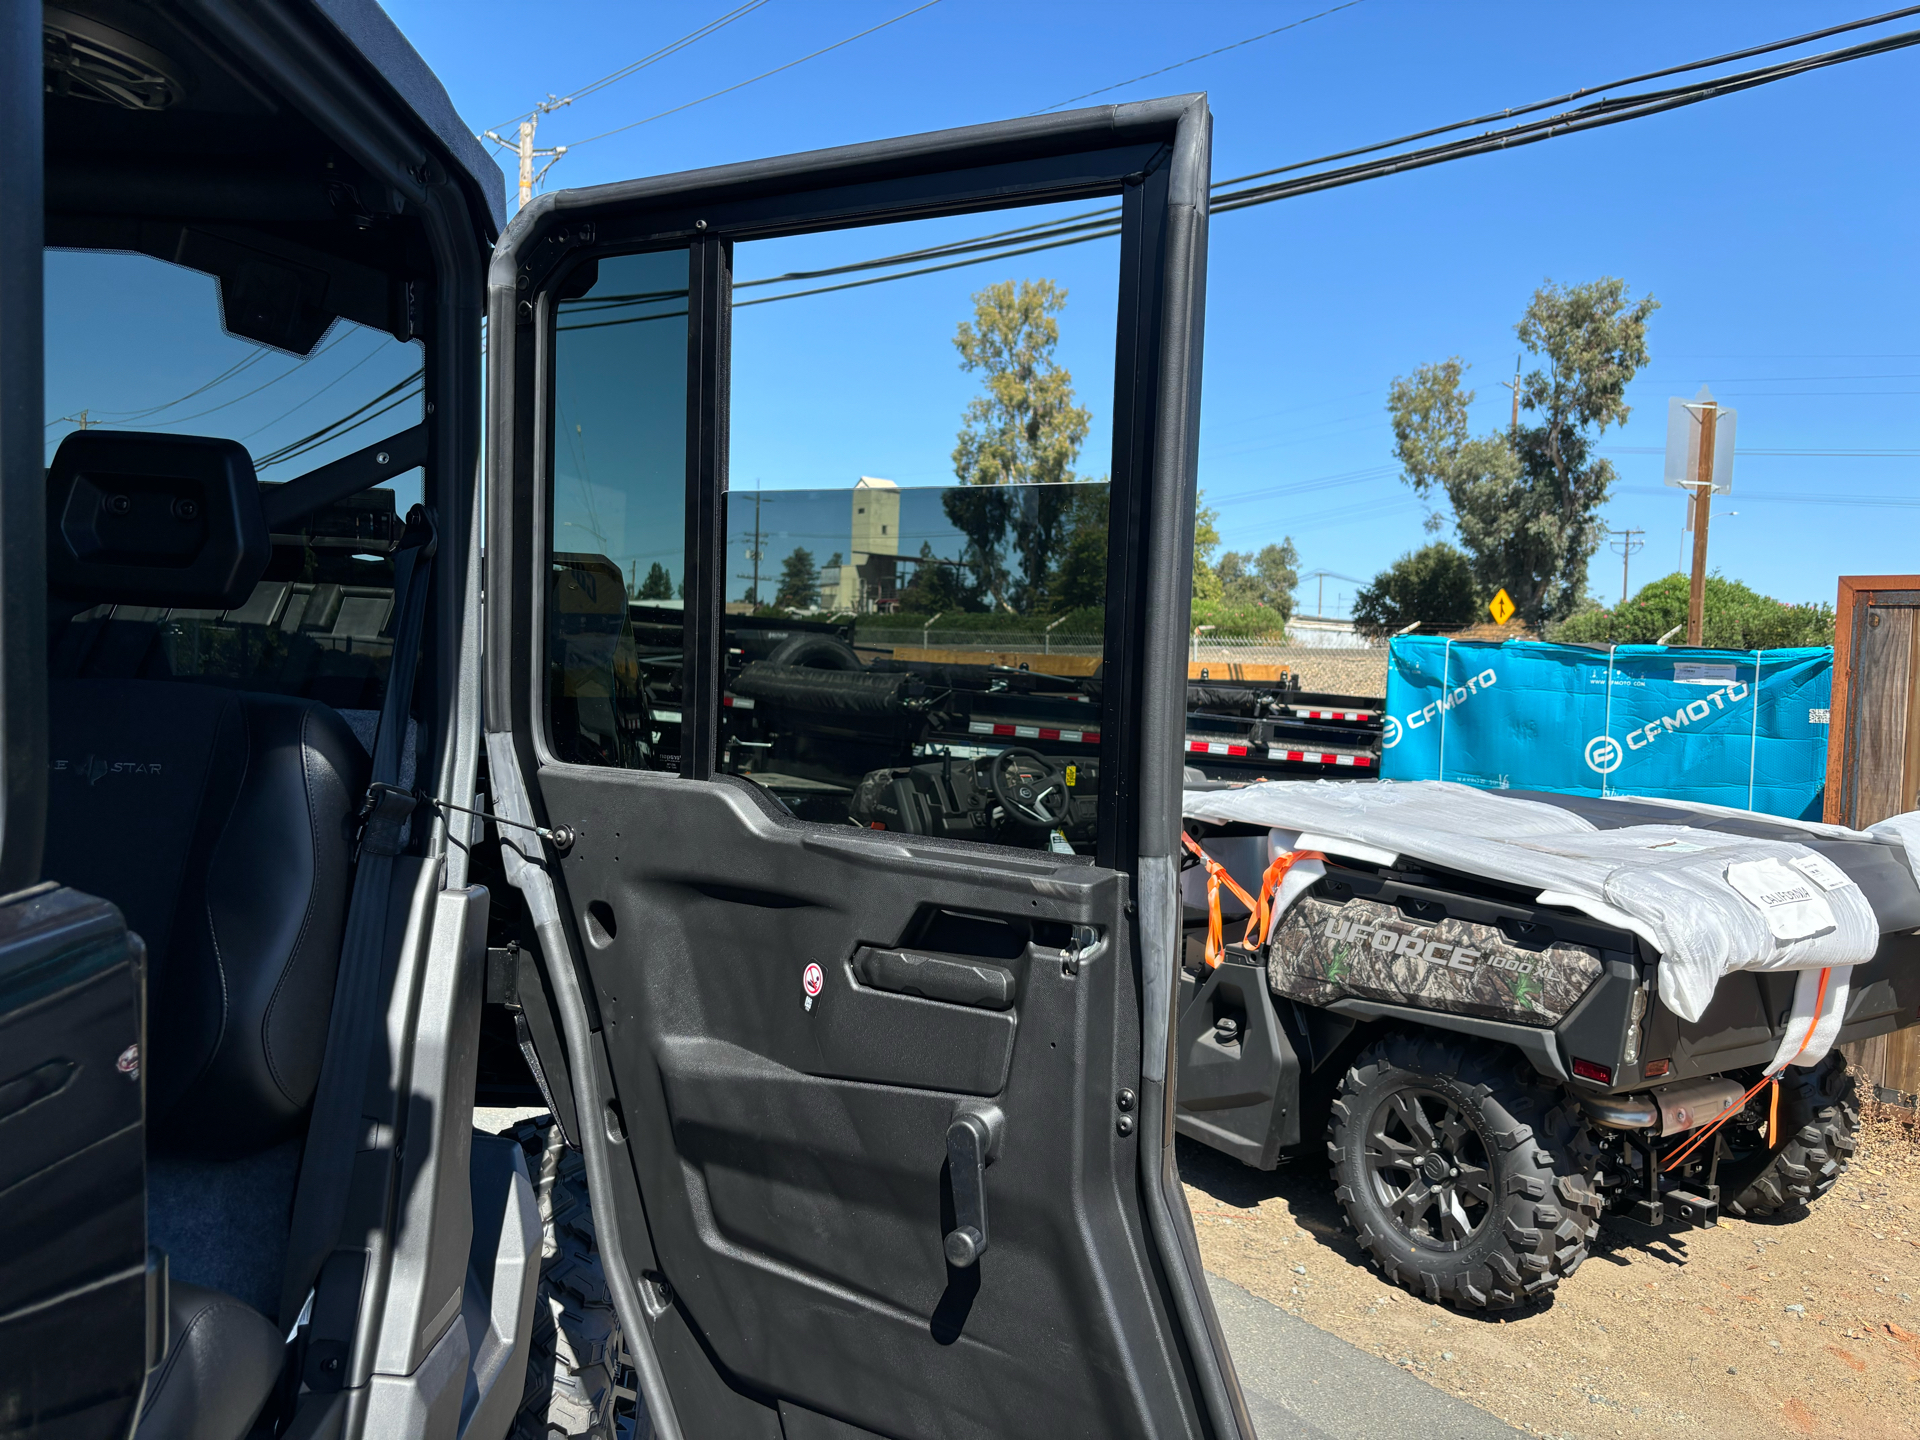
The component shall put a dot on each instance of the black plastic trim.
(1536, 1044)
(23, 487)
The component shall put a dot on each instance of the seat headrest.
(162, 520)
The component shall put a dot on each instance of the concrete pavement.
(1300, 1381)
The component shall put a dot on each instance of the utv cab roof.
(367, 29)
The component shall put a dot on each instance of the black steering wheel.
(1029, 787)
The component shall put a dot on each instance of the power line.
(336, 428)
(1509, 114)
(1796, 498)
(1178, 64)
(1104, 223)
(927, 4)
(1747, 452)
(1593, 116)
(1093, 225)
(239, 365)
(1628, 543)
(635, 67)
(523, 145)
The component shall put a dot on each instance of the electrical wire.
(122, 416)
(926, 5)
(1493, 115)
(635, 67)
(1104, 223)
(1178, 64)
(1093, 225)
(1745, 451)
(335, 428)
(1587, 117)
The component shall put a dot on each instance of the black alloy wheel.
(1429, 1166)
(1467, 1177)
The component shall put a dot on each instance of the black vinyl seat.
(222, 1360)
(220, 821)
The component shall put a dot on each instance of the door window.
(617, 587)
(916, 529)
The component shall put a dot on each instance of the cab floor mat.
(223, 1224)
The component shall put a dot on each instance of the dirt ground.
(1796, 1326)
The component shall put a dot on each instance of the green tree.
(1024, 429)
(1264, 578)
(938, 587)
(1080, 580)
(1207, 540)
(657, 586)
(1434, 584)
(799, 581)
(1527, 500)
(1736, 617)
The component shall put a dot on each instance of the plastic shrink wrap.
(1707, 902)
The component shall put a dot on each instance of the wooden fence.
(1874, 759)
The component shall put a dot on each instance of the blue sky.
(1777, 228)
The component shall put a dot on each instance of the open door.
(858, 910)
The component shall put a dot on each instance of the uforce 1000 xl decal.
(1322, 951)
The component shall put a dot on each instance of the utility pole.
(1514, 420)
(753, 595)
(523, 147)
(1625, 547)
(1703, 503)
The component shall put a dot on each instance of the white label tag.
(1822, 871)
(1694, 672)
(1788, 900)
(1817, 715)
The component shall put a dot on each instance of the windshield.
(137, 344)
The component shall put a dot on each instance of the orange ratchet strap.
(1216, 875)
(1820, 999)
(1276, 872)
(1259, 918)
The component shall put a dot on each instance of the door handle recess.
(973, 1140)
(936, 978)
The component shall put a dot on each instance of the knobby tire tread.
(575, 1369)
(1543, 1158)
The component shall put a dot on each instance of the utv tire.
(816, 652)
(1820, 1117)
(1465, 1178)
(578, 1382)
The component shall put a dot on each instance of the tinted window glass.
(616, 520)
(137, 344)
(916, 532)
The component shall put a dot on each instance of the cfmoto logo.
(1604, 754)
(1391, 733)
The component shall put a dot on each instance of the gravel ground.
(1793, 1326)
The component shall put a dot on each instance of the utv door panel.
(794, 1160)
(82, 1307)
(800, 1030)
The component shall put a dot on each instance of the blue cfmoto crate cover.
(1733, 728)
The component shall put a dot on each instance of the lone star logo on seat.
(92, 767)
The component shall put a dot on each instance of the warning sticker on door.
(812, 979)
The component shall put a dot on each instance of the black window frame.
(1152, 157)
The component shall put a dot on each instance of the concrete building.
(866, 580)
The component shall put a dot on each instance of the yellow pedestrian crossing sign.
(1501, 607)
